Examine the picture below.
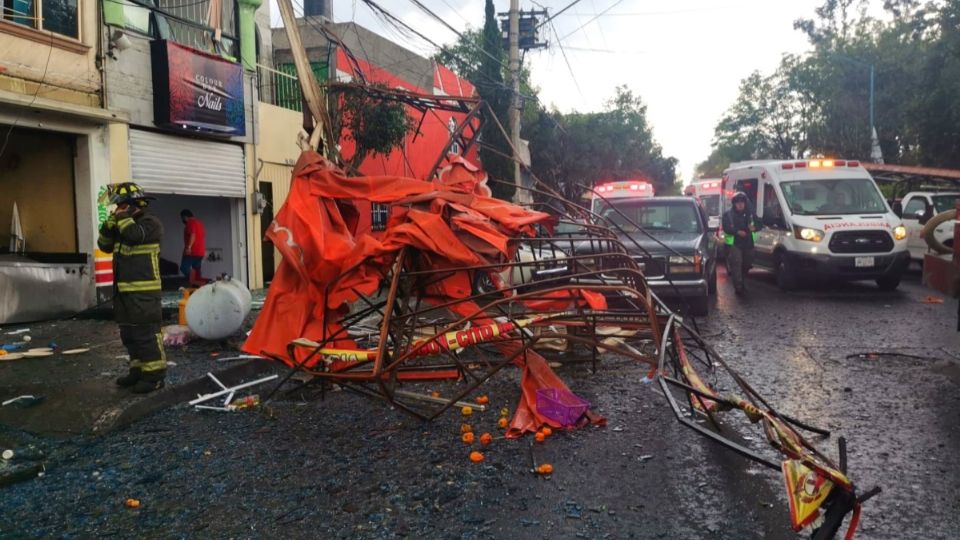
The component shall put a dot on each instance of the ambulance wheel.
(889, 283)
(786, 276)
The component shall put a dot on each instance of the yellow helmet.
(125, 193)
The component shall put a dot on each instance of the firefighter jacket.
(135, 244)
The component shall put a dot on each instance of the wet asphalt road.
(349, 467)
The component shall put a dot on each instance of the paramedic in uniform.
(739, 226)
(133, 235)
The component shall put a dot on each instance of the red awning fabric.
(326, 264)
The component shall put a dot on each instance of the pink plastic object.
(560, 405)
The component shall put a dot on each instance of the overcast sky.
(685, 58)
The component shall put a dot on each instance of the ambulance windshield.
(833, 197)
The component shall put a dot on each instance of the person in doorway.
(194, 246)
(133, 235)
(739, 226)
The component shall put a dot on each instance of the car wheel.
(889, 283)
(786, 276)
(699, 306)
(712, 282)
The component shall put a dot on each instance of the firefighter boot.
(130, 378)
(150, 381)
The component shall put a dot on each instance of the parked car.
(669, 238)
(918, 207)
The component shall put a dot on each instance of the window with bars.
(57, 16)
(379, 215)
(188, 22)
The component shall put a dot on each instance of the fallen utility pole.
(312, 94)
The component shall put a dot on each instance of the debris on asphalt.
(23, 401)
(227, 391)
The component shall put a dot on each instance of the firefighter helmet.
(126, 193)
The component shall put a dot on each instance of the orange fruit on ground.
(476, 457)
(486, 439)
(467, 438)
(466, 428)
(539, 437)
(504, 412)
(466, 411)
(502, 423)
(435, 394)
(133, 503)
(546, 431)
(482, 400)
(546, 468)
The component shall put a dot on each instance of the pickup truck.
(918, 208)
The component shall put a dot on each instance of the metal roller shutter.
(185, 166)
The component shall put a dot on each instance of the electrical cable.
(567, 61)
(557, 14)
(43, 78)
(597, 16)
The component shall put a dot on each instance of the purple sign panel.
(196, 91)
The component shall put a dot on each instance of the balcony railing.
(280, 87)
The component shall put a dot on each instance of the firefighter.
(740, 226)
(133, 235)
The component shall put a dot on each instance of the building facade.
(54, 149)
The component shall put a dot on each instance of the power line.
(567, 61)
(595, 17)
(43, 78)
(557, 14)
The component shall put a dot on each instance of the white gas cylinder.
(217, 310)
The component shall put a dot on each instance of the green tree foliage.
(573, 150)
(567, 150)
(374, 125)
(818, 103)
(495, 149)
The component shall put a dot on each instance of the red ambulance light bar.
(632, 186)
(819, 164)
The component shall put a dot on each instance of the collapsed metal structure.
(404, 308)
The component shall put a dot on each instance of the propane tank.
(218, 309)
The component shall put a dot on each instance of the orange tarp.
(450, 222)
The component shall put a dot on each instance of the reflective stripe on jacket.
(135, 244)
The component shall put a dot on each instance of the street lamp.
(876, 155)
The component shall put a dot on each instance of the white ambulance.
(822, 218)
(707, 191)
(625, 189)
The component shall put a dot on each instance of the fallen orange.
(539, 437)
(466, 428)
(546, 431)
(133, 503)
(467, 438)
(546, 468)
(482, 400)
(486, 439)
(466, 411)
(476, 457)
(502, 423)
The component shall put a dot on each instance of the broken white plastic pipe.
(228, 391)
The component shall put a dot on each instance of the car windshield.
(832, 197)
(654, 215)
(711, 203)
(942, 203)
